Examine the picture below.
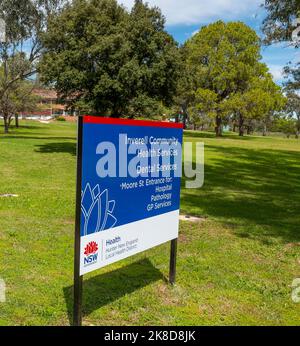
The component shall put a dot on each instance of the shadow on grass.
(104, 289)
(14, 128)
(37, 137)
(26, 127)
(255, 191)
(204, 134)
(63, 147)
(32, 132)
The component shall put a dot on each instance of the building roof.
(46, 94)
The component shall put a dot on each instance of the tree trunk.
(6, 124)
(241, 125)
(234, 127)
(184, 115)
(17, 120)
(184, 120)
(116, 113)
(265, 130)
(218, 127)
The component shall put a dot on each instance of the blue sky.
(185, 17)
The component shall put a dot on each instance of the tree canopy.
(20, 50)
(279, 24)
(110, 61)
(17, 99)
(103, 59)
(224, 59)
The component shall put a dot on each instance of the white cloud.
(276, 71)
(202, 11)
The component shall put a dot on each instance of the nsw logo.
(91, 253)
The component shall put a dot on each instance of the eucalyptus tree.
(22, 23)
(282, 24)
(18, 99)
(281, 20)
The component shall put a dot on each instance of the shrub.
(60, 118)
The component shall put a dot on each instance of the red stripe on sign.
(87, 119)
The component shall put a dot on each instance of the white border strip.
(127, 240)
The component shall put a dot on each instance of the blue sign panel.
(131, 172)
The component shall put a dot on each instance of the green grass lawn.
(234, 268)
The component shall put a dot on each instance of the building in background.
(49, 105)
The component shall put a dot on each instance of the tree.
(18, 98)
(204, 107)
(292, 76)
(185, 90)
(286, 125)
(224, 59)
(279, 24)
(261, 101)
(110, 61)
(24, 21)
(23, 100)
(293, 108)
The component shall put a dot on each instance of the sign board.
(130, 188)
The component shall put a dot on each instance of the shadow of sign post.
(106, 288)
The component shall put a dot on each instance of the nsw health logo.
(91, 253)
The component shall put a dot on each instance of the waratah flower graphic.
(91, 248)
(96, 210)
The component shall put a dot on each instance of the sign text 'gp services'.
(130, 188)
